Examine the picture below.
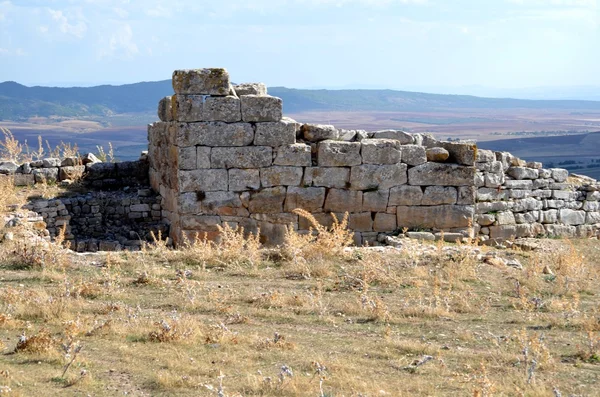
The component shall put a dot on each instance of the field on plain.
(313, 317)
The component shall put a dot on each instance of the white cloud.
(43, 29)
(121, 13)
(120, 44)
(3, 51)
(76, 29)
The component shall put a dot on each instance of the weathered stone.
(51, 162)
(370, 176)
(24, 179)
(491, 194)
(559, 175)
(425, 236)
(250, 89)
(563, 231)
(268, 201)
(97, 171)
(405, 195)
(519, 194)
(438, 195)
(518, 184)
(384, 222)
(347, 135)
(46, 175)
(493, 180)
(214, 133)
(224, 108)
(570, 217)
(449, 237)
(187, 158)
(460, 152)
(591, 206)
(187, 108)
(546, 174)
(504, 158)
(486, 219)
(403, 137)
(527, 204)
(479, 179)
(435, 217)
(214, 81)
(534, 164)
(338, 153)
(221, 203)
(165, 111)
(505, 218)
(338, 200)
(319, 132)
(297, 154)
(485, 156)
(201, 222)
(541, 193)
(467, 195)
(527, 217)
(276, 133)
(441, 175)
(376, 200)
(541, 183)
(261, 108)
(495, 167)
(437, 154)
(24, 168)
(564, 195)
(523, 173)
(310, 199)
(71, 172)
(203, 180)
(335, 177)
(70, 162)
(381, 151)
(496, 206)
(281, 176)
(243, 179)
(241, 157)
(554, 204)
(503, 232)
(413, 154)
(8, 167)
(592, 218)
(361, 222)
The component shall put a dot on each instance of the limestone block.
(527, 204)
(485, 156)
(250, 89)
(201, 222)
(281, 176)
(203, 180)
(494, 167)
(505, 218)
(8, 167)
(441, 174)
(325, 219)
(187, 159)
(25, 168)
(347, 135)
(310, 199)
(414, 154)
(297, 154)
(438, 195)
(203, 156)
(243, 179)
(376, 200)
(519, 194)
(554, 204)
(534, 164)
(276, 133)
(591, 206)
(214, 133)
(592, 218)
(334, 177)
(425, 236)
(517, 162)
(571, 217)
(261, 108)
(222, 108)
(437, 154)
(384, 222)
(545, 174)
(559, 175)
(338, 153)
(479, 179)
(486, 219)
(24, 179)
(66, 162)
(523, 173)
(339, 200)
(541, 183)
(564, 195)
(593, 196)
(318, 132)
(504, 158)
(491, 194)
(187, 108)
(435, 217)
(50, 162)
(560, 186)
(503, 232)
(380, 151)
(361, 222)
(493, 180)
(272, 234)
(241, 157)
(460, 153)
(585, 231)
(97, 171)
(541, 194)
(71, 172)
(165, 111)
(405, 195)
(371, 176)
(403, 137)
(518, 184)
(222, 203)
(467, 195)
(48, 175)
(527, 217)
(564, 231)
(189, 203)
(214, 81)
(267, 201)
(483, 208)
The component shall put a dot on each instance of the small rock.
(89, 159)
(548, 271)
(437, 154)
(514, 263)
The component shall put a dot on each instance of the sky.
(399, 44)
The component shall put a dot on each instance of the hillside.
(18, 102)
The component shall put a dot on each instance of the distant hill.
(18, 102)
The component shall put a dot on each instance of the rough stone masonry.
(225, 154)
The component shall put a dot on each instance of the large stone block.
(435, 217)
(403, 137)
(276, 133)
(483, 208)
(519, 184)
(318, 132)
(261, 108)
(243, 179)
(267, 201)
(493, 180)
(214, 81)
(203, 156)
(222, 203)
(46, 175)
(460, 152)
(485, 156)
(563, 231)
(201, 222)
(503, 232)
(250, 89)
(371, 176)
(438, 195)
(96, 171)
(73, 172)
(571, 217)
(376, 200)
(491, 194)
(281, 176)
(214, 133)
(334, 177)
(187, 108)
(187, 159)
(222, 108)
(310, 199)
(338, 153)
(414, 154)
(505, 218)
(380, 151)
(467, 195)
(384, 222)
(523, 173)
(297, 154)
(441, 175)
(339, 200)
(527, 204)
(203, 180)
(405, 195)
(361, 222)
(592, 218)
(241, 157)
(559, 175)
(165, 111)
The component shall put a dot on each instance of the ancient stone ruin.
(225, 154)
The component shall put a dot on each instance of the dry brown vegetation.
(308, 319)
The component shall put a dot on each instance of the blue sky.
(408, 44)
